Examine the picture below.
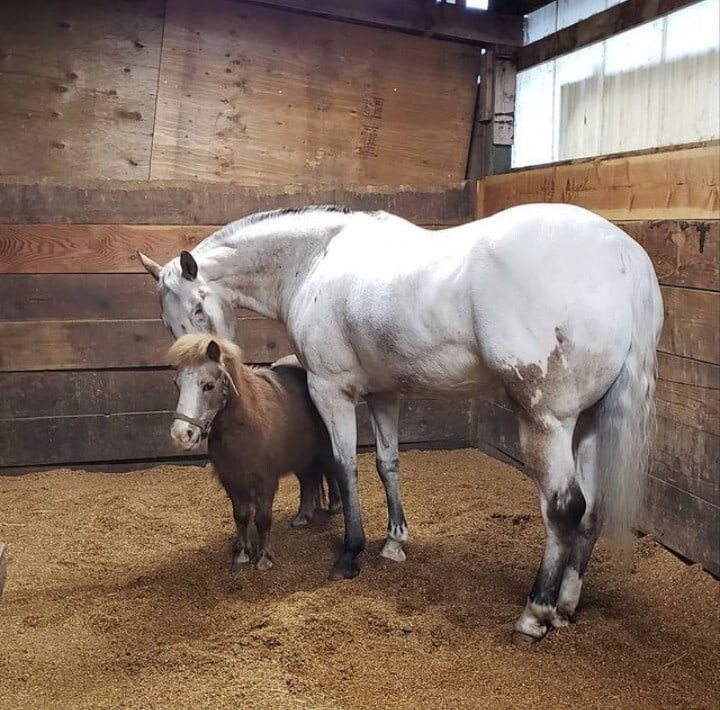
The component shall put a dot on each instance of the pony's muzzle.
(186, 436)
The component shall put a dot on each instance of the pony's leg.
(384, 414)
(242, 549)
(308, 499)
(263, 523)
(547, 448)
(589, 529)
(338, 412)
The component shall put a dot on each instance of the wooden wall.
(670, 203)
(226, 91)
(82, 356)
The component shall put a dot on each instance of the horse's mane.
(191, 350)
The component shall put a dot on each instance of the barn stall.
(145, 125)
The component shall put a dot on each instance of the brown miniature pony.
(260, 424)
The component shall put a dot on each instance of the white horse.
(552, 302)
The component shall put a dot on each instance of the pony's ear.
(152, 267)
(213, 351)
(189, 266)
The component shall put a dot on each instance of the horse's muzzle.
(186, 436)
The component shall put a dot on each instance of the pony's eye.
(208, 386)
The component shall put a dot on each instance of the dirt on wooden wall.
(226, 91)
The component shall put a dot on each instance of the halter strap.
(202, 424)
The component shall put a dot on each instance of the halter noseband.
(202, 424)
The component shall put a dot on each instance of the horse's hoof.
(345, 568)
(301, 520)
(392, 550)
(523, 640)
(240, 561)
(264, 563)
(560, 620)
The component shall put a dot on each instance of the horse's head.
(189, 302)
(204, 384)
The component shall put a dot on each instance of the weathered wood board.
(78, 85)
(257, 96)
(181, 203)
(146, 435)
(679, 184)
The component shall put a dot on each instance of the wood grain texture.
(193, 202)
(69, 248)
(257, 96)
(108, 296)
(78, 86)
(597, 27)
(64, 345)
(684, 253)
(684, 523)
(691, 324)
(427, 18)
(679, 184)
(146, 435)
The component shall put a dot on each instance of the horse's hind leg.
(547, 448)
(242, 548)
(263, 523)
(384, 413)
(591, 523)
(309, 496)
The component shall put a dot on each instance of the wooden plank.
(684, 253)
(597, 27)
(60, 345)
(691, 324)
(688, 458)
(78, 86)
(688, 392)
(497, 426)
(686, 524)
(26, 297)
(146, 435)
(426, 17)
(339, 103)
(679, 184)
(69, 248)
(191, 202)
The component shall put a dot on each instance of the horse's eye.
(208, 386)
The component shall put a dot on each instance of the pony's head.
(188, 301)
(204, 364)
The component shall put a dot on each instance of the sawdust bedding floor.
(119, 595)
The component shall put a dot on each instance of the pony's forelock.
(191, 350)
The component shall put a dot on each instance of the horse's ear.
(189, 266)
(152, 267)
(213, 351)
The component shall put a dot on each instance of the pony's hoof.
(240, 561)
(264, 563)
(345, 568)
(560, 620)
(523, 640)
(392, 550)
(301, 520)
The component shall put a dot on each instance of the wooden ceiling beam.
(607, 23)
(423, 17)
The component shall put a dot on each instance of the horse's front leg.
(384, 414)
(338, 412)
(547, 448)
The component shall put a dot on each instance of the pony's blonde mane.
(191, 350)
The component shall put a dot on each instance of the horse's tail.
(625, 416)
